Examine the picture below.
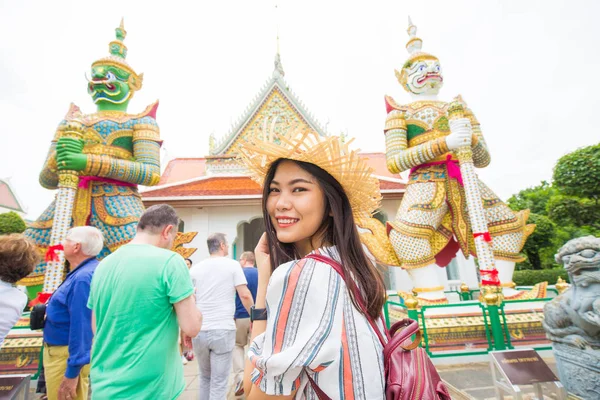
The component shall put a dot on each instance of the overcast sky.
(528, 69)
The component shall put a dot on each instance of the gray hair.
(214, 242)
(155, 218)
(88, 237)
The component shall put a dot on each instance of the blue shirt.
(251, 274)
(68, 320)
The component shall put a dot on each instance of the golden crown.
(413, 46)
(329, 153)
(118, 53)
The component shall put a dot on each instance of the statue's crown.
(413, 46)
(118, 53)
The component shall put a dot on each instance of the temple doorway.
(248, 235)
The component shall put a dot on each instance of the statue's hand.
(460, 133)
(72, 162)
(68, 145)
(69, 154)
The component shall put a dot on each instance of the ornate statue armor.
(117, 152)
(432, 223)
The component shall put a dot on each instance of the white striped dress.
(313, 328)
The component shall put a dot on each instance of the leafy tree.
(574, 211)
(539, 242)
(578, 173)
(567, 209)
(11, 222)
(535, 199)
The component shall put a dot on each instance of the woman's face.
(296, 205)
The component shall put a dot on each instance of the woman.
(314, 190)
(18, 257)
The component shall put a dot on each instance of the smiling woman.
(315, 338)
(296, 206)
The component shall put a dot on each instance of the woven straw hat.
(330, 153)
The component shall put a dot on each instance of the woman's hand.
(263, 258)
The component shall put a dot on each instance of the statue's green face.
(109, 85)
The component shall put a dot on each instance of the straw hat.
(330, 153)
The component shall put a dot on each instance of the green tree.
(578, 173)
(540, 246)
(11, 222)
(574, 211)
(534, 199)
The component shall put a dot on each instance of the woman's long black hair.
(337, 228)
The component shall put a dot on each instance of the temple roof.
(186, 179)
(182, 169)
(275, 107)
(9, 198)
(219, 180)
(242, 187)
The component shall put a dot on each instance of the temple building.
(9, 201)
(214, 194)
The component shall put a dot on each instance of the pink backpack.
(409, 373)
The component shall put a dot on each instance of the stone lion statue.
(574, 316)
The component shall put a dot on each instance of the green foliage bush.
(566, 209)
(578, 173)
(11, 222)
(531, 277)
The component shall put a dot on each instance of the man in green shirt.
(139, 296)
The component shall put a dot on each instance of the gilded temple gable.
(274, 108)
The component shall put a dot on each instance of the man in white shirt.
(217, 279)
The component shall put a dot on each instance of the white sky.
(528, 69)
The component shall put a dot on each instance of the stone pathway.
(474, 380)
(190, 372)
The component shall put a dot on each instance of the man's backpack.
(409, 373)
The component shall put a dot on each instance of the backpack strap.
(357, 295)
(321, 395)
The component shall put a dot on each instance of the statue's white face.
(424, 77)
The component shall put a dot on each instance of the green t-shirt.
(135, 353)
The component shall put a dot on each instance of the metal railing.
(497, 334)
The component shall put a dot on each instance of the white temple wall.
(390, 207)
(467, 270)
(207, 220)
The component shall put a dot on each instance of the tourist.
(68, 326)
(18, 258)
(314, 189)
(217, 279)
(242, 322)
(140, 294)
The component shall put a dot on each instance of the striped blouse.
(313, 328)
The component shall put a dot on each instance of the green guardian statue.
(96, 162)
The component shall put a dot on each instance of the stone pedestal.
(579, 370)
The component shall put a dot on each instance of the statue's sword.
(481, 235)
(63, 210)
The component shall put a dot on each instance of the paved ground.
(473, 379)
(190, 372)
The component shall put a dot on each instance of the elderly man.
(140, 294)
(68, 328)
